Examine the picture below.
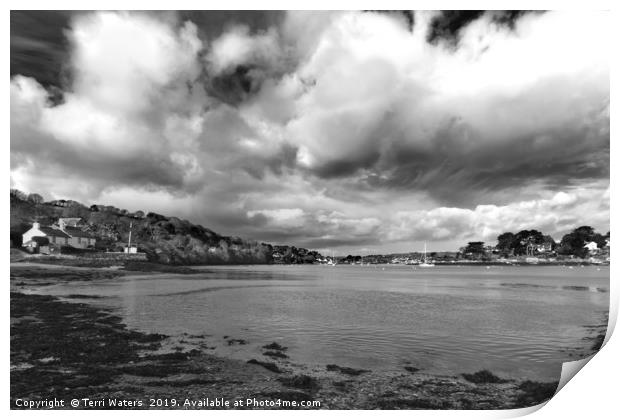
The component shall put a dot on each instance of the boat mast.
(129, 242)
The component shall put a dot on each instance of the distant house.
(69, 221)
(64, 233)
(78, 238)
(53, 236)
(58, 203)
(133, 249)
(489, 249)
(546, 246)
(592, 248)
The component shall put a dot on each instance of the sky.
(358, 132)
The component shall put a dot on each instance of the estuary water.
(518, 322)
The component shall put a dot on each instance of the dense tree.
(584, 230)
(548, 239)
(18, 194)
(505, 243)
(526, 241)
(600, 240)
(156, 217)
(35, 198)
(573, 243)
(474, 248)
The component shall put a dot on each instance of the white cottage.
(58, 235)
(54, 236)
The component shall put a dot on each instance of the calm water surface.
(520, 322)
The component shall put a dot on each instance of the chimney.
(61, 224)
(36, 225)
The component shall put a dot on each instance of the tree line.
(33, 198)
(533, 242)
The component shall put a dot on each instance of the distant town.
(582, 245)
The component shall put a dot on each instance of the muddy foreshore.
(68, 350)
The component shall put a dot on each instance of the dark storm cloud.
(234, 86)
(447, 24)
(345, 167)
(509, 18)
(457, 176)
(276, 163)
(66, 161)
(211, 23)
(39, 47)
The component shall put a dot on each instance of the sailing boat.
(425, 263)
(333, 260)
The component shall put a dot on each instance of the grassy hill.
(164, 239)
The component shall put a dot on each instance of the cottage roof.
(50, 231)
(77, 232)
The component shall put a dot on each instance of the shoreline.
(129, 263)
(107, 360)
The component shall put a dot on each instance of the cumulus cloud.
(238, 47)
(328, 128)
(505, 106)
(555, 215)
(134, 79)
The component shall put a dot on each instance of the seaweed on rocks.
(183, 383)
(275, 354)
(483, 377)
(412, 404)
(234, 341)
(346, 370)
(68, 346)
(343, 386)
(534, 393)
(301, 381)
(275, 346)
(267, 365)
